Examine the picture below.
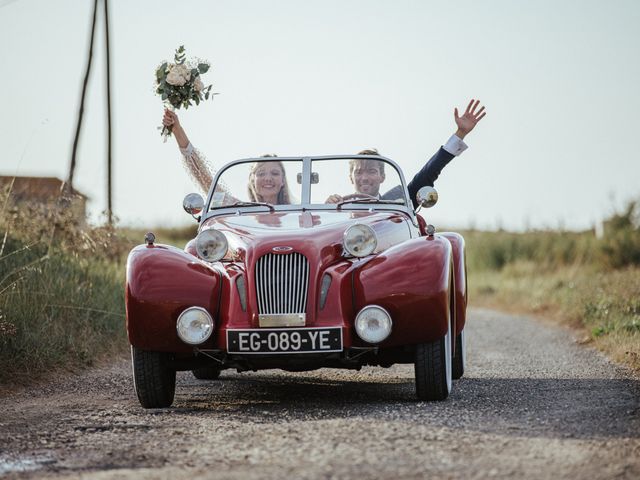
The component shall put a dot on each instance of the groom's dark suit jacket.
(425, 177)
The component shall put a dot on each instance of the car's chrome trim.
(282, 320)
(310, 207)
(306, 188)
(306, 180)
(282, 281)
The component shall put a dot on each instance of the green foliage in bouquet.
(179, 84)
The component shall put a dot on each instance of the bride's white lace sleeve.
(197, 167)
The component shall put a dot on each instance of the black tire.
(459, 359)
(154, 380)
(206, 373)
(433, 368)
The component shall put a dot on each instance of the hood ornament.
(281, 249)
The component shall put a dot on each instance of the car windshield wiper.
(397, 201)
(246, 204)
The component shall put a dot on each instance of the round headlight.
(360, 240)
(211, 245)
(194, 325)
(373, 324)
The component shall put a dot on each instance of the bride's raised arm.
(194, 162)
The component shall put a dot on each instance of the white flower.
(198, 85)
(184, 71)
(175, 79)
(178, 75)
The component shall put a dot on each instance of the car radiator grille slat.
(282, 282)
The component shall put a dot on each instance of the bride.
(267, 180)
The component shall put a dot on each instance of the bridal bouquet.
(179, 83)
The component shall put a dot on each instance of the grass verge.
(588, 283)
(57, 310)
(61, 293)
(62, 290)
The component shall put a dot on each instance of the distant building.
(43, 192)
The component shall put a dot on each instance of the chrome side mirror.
(193, 204)
(427, 197)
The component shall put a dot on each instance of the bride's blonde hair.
(284, 196)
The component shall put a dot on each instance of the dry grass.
(62, 289)
(61, 292)
(603, 305)
(574, 278)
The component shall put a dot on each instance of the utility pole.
(69, 184)
(108, 61)
(72, 166)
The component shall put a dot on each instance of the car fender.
(460, 270)
(412, 282)
(190, 247)
(161, 282)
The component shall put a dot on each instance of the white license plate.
(284, 340)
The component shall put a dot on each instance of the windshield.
(336, 181)
(267, 181)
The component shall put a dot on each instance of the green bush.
(61, 291)
(57, 310)
(549, 249)
(619, 246)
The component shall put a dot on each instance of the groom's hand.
(469, 119)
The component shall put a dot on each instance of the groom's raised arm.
(454, 147)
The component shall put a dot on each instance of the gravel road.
(532, 404)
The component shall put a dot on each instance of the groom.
(367, 175)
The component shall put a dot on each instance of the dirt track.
(532, 404)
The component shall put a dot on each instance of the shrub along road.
(532, 404)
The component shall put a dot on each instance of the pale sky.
(559, 80)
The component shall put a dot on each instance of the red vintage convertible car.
(299, 284)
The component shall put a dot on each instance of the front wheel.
(433, 368)
(154, 380)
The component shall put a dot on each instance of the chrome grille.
(281, 283)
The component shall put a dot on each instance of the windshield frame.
(304, 203)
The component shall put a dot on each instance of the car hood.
(306, 232)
